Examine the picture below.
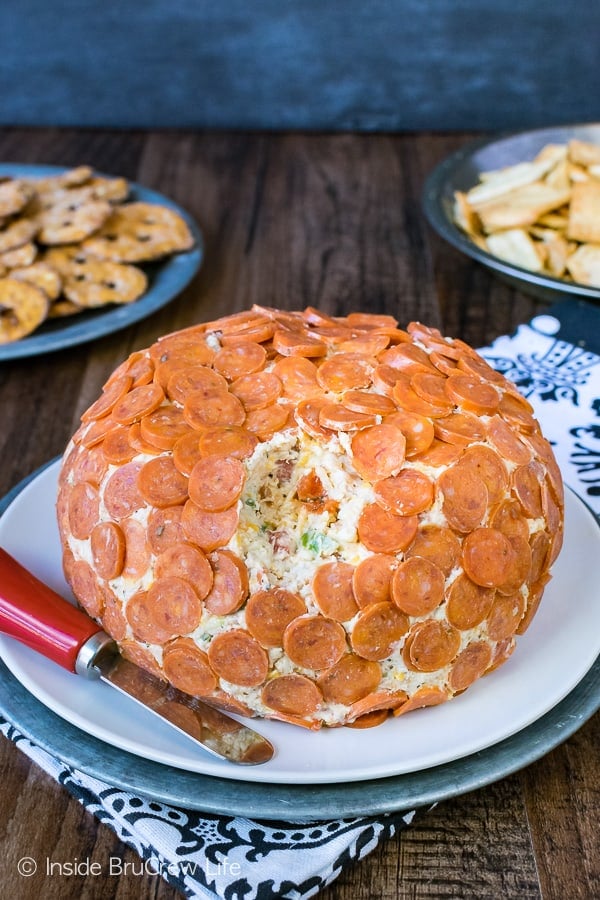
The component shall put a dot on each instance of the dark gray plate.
(291, 803)
(460, 172)
(165, 280)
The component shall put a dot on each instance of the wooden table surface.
(289, 220)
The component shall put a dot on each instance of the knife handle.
(37, 616)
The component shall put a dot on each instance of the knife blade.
(34, 614)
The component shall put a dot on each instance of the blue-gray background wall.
(284, 64)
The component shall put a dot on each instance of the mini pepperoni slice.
(434, 644)
(298, 377)
(384, 532)
(540, 546)
(423, 696)
(376, 630)
(294, 343)
(268, 613)
(520, 570)
(216, 482)
(294, 695)
(346, 371)
(437, 544)
(468, 604)
(93, 433)
(236, 322)
(188, 669)
(371, 403)
(459, 428)
(370, 320)
(487, 557)
(378, 452)
(161, 484)
(476, 365)
(485, 462)
(349, 680)
(438, 455)
(89, 466)
(137, 549)
(374, 709)
(508, 444)
(407, 358)
(227, 441)
(210, 530)
(113, 620)
(371, 581)
(266, 422)
(83, 509)
(443, 363)
(186, 452)
(526, 483)
(505, 615)
(240, 359)
(116, 446)
(84, 583)
(465, 498)
(137, 403)
(384, 379)
(369, 345)
(472, 394)
(536, 591)
(185, 356)
(188, 380)
(508, 518)
(431, 387)
(229, 583)
(255, 334)
(551, 508)
(470, 664)
(332, 588)
(134, 435)
(137, 366)
(107, 543)
(164, 528)
(163, 427)
(417, 430)
(307, 414)
(238, 658)
(314, 642)
(188, 346)
(517, 412)
(417, 586)
(257, 390)
(409, 401)
(212, 409)
(338, 418)
(113, 392)
(183, 560)
(169, 608)
(378, 701)
(406, 494)
(544, 450)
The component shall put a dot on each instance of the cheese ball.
(313, 519)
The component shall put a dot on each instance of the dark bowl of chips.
(527, 206)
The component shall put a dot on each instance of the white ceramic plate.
(550, 660)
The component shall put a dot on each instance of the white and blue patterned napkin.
(208, 856)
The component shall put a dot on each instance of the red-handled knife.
(37, 616)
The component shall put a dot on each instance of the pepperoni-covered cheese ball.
(315, 519)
